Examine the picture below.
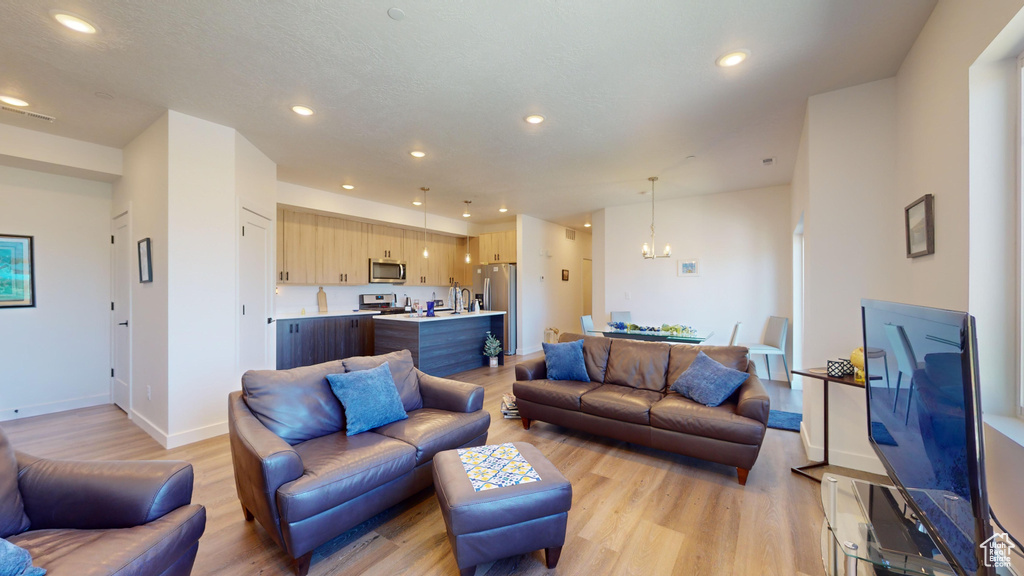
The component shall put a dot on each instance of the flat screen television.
(924, 421)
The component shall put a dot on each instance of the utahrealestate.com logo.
(997, 550)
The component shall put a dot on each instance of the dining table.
(658, 336)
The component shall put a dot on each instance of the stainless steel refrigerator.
(496, 285)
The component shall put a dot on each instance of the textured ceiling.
(629, 89)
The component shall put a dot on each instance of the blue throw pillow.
(370, 398)
(565, 361)
(708, 382)
(16, 561)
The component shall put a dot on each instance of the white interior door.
(254, 292)
(120, 307)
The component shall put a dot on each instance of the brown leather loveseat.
(306, 481)
(628, 398)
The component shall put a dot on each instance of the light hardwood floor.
(635, 510)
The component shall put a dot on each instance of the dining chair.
(870, 353)
(773, 344)
(735, 334)
(621, 317)
(906, 363)
(587, 322)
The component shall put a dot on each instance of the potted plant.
(492, 347)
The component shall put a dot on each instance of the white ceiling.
(629, 89)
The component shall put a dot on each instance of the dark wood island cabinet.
(314, 339)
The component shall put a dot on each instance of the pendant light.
(465, 214)
(648, 250)
(426, 253)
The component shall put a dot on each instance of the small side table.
(821, 374)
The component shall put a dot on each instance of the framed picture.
(17, 272)
(920, 223)
(565, 275)
(690, 267)
(145, 261)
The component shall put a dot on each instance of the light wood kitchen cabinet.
(442, 268)
(342, 251)
(416, 266)
(386, 242)
(296, 256)
(463, 269)
(498, 247)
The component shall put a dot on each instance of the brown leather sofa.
(628, 398)
(114, 518)
(306, 482)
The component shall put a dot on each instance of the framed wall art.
(689, 267)
(920, 226)
(145, 261)
(565, 275)
(17, 272)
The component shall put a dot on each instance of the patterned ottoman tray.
(501, 500)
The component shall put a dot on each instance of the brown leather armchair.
(113, 518)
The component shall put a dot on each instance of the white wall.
(202, 229)
(293, 299)
(995, 261)
(22, 148)
(142, 191)
(742, 240)
(56, 356)
(853, 239)
(255, 179)
(332, 202)
(933, 145)
(545, 301)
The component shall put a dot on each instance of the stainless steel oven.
(387, 271)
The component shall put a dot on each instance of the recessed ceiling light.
(587, 225)
(303, 110)
(417, 154)
(73, 22)
(535, 119)
(348, 187)
(732, 58)
(13, 101)
(396, 13)
(417, 203)
(502, 210)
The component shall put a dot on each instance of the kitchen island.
(441, 345)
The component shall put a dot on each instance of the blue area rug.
(785, 420)
(881, 435)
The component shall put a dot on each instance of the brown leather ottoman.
(499, 501)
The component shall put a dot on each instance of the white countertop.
(328, 314)
(440, 317)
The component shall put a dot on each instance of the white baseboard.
(149, 428)
(169, 441)
(51, 407)
(853, 460)
(531, 349)
(197, 434)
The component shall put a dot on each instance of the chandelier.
(648, 249)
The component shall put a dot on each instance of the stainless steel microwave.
(387, 271)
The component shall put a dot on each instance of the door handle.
(287, 276)
(125, 323)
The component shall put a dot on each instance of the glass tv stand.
(869, 530)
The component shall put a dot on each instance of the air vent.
(570, 234)
(766, 162)
(35, 115)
